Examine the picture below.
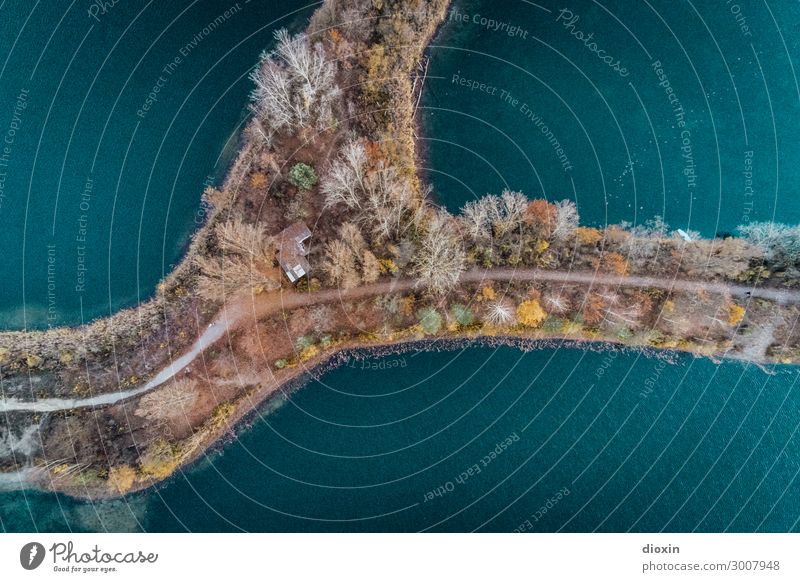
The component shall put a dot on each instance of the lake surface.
(559, 439)
(693, 119)
(117, 120)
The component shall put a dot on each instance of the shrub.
(735, 314)
(160, 460)
(530, 313)
(281, 364)
(302, 176)
(303, 342)
(553, 325)
(430, 320)
(121, 478)
(462, 314)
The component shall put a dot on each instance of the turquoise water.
(639, 445)
(699, 127)
(587, 440)
(99, 195)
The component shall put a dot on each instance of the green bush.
(303, 342)
(303, 176)
(430, 320)
(281, 364)
(553, 324)
(462, 314)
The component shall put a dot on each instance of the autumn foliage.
(530, 313)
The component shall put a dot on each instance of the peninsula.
(324, 240)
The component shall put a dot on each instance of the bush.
(302, 176)
(553, 325)
(303, 342)
(430, 320)
(121, 478)
(281, 364)
(462, 314)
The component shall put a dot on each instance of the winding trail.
(248, 310)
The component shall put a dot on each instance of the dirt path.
(250, 310)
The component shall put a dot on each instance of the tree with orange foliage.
(541, 216)
(530, 313)
(615, 263)
(594, 309)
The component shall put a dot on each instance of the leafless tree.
(339, 265)
(245, 262)
(475, 218)
(344, 181)
(566, 219)
(370, 267)
(295, 84)
(383, 200)
(242, 238)
(499, 313)
(222, 276)
(440, 259)
(494, 215)
(508, 212)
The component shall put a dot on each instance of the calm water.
(699, 127)
(406, 442)
(95, 188)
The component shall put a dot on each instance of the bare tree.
(499, 313)
(344, 181)
(370, 267)
(383, 200)
(222, 276)
(509, 210)
(440, 259)
(566, 219)
(779, 242)
(494, 215)
(475, 218)
(295, 84)
(242, 238)
(340, 265)
(245, 262)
